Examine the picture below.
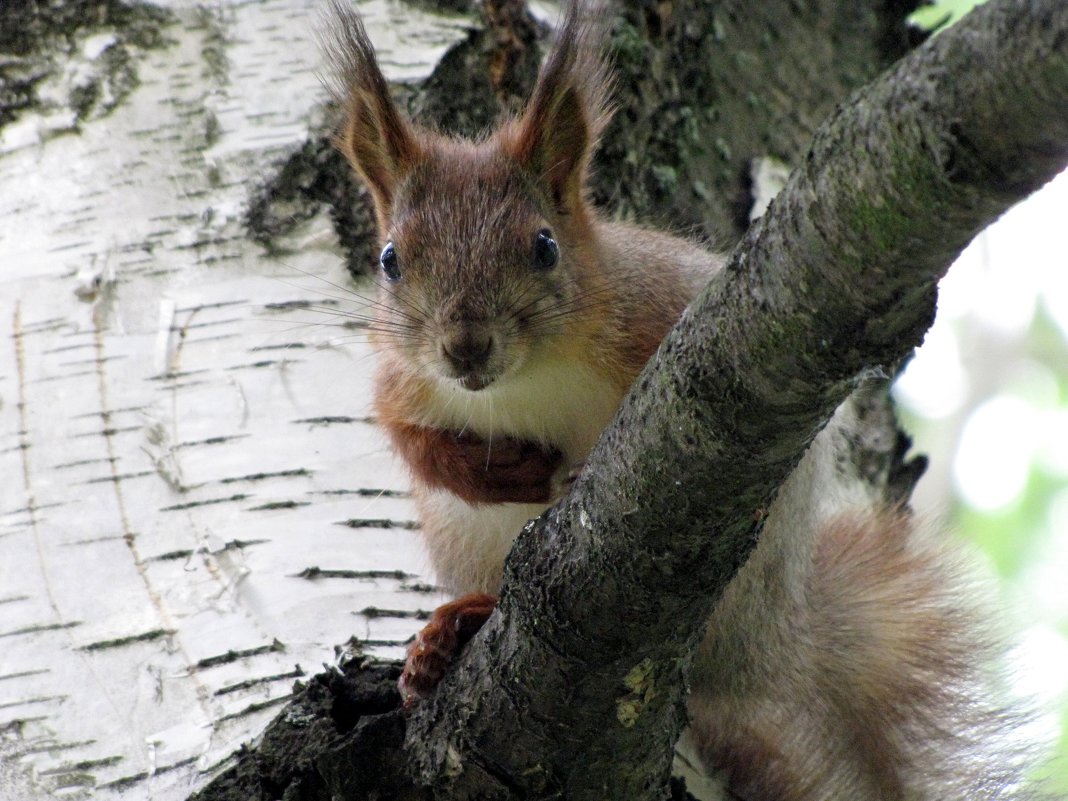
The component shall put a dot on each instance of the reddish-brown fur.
(504, 470)
(843, 661)
(451, 625)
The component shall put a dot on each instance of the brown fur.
(451, 625)
(378, 141)
(866, 676)
(564, 118)
(505, 470)
(843, 662)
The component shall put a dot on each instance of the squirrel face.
(483, 259)
(473, 275)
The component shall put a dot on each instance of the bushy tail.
(854, 664)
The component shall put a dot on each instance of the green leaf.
(940, 14)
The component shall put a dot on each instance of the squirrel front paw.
(449, 629)
(476, 469)
(502, 470)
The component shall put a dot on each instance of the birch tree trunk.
(195, 506)
(196, 499)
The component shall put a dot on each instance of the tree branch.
(607, 594)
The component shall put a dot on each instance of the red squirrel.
(845, 660)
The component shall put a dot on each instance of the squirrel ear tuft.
(375, 138)
(557, 132)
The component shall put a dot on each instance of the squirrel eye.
(546, 251)
(388, 262)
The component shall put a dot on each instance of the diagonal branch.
(607, 594)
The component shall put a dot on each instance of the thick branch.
(839, 277)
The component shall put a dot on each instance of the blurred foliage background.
(987, 399)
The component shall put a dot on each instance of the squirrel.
(846, 660)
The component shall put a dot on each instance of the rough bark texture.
(837, 279)
(707, 87)
(328, 706)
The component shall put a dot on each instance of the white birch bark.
(178, 450)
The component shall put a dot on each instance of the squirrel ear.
(555, 137)
(375, 138)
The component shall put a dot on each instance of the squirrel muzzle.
(467, 353)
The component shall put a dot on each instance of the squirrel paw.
(504, 470)
(449, 629)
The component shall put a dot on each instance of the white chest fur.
(559, 403)
(550, 400)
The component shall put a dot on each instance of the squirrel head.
(488, 249)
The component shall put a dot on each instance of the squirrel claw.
(449, 629)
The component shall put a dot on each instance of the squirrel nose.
(468, 350)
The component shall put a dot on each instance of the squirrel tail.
(861, 676)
